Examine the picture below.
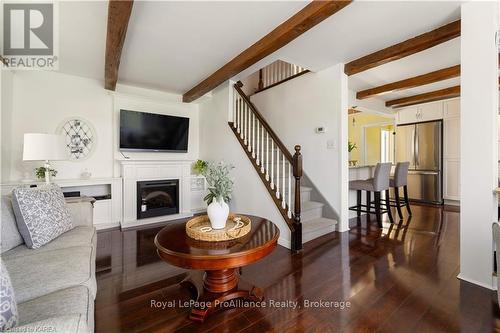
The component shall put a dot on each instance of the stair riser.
(307, 236)
(311, 214)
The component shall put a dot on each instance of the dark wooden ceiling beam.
(425, 97)
(309, 16)
(420, 80)
(118, 17)
(404, 49)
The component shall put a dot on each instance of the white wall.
(218, 143)
(145, 104)
(479, 155)
(294, 109)
(6, 90)
(43, 100)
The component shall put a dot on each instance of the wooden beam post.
(118, 17)
(309, 16)
(404, 49)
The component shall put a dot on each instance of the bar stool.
(377, 184)
(400, 179)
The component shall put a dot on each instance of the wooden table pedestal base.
(216, 287)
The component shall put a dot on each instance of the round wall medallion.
(80, 138)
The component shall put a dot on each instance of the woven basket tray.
(193, 229)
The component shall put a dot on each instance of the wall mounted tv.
(140, 131)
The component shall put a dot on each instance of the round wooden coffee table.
(220, 260)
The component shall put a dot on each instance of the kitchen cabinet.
(451, 149)
(451, 138)
(451, 174)
(449, 111)
(425, 112)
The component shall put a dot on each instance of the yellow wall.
(372, 135)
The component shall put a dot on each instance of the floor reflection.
(399, 278)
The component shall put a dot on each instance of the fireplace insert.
(157, 198)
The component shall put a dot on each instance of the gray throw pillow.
(8, 307)
(41, 214)
(10, 235)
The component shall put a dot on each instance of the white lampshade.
(44, 147)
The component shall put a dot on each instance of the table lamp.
(44, 147)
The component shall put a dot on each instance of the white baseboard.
(104, 226)
(285, 242)
(481, 284)
(153, 220)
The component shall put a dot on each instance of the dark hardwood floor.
(401, 278)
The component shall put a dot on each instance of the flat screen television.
(141, 131)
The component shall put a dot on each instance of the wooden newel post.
(297, 174)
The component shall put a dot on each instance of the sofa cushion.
(41, 214)
(79, 236)
(44, 272)
(8, 306)
(72, 323)
(70, 301)
(10, 235)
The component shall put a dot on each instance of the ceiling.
(172, 46)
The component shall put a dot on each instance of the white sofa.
(55, 285)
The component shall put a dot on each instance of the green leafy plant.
(351, 146)
(220, 184)
(40, 172)
(199, 167)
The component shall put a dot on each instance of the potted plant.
(40, 172)
(350, 147)
(220, 187)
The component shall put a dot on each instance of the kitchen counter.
(361, 166)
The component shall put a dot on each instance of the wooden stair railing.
(277, 73)
(271, 159)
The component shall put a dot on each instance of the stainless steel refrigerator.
(421, 145)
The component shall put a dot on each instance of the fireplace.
(157, 198)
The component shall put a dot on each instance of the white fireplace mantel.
(134, 171)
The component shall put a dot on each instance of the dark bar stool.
(377, 184)
(400, 179)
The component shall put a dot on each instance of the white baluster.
(283, 185)
(262, 150)
(257, 160)
(249, 118)
(239, 117)
(266, 83)
(272, 164)
(253, 134)
(244, 123)
(267, 155)
(277, 173)
(289, 190)
(237, 114)
(234, 108)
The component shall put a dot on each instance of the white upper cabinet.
(451, 129)
(407, 115)
(415, 114)
(452, 108)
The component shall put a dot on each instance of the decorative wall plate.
(80, 138)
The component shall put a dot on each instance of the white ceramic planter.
(218, 213)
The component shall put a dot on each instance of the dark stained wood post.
(261, 82)
(297, 174)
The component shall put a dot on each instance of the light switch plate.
(331, 144)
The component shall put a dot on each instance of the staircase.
(280, 171)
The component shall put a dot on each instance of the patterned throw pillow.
(41, 214)
(8, 306)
